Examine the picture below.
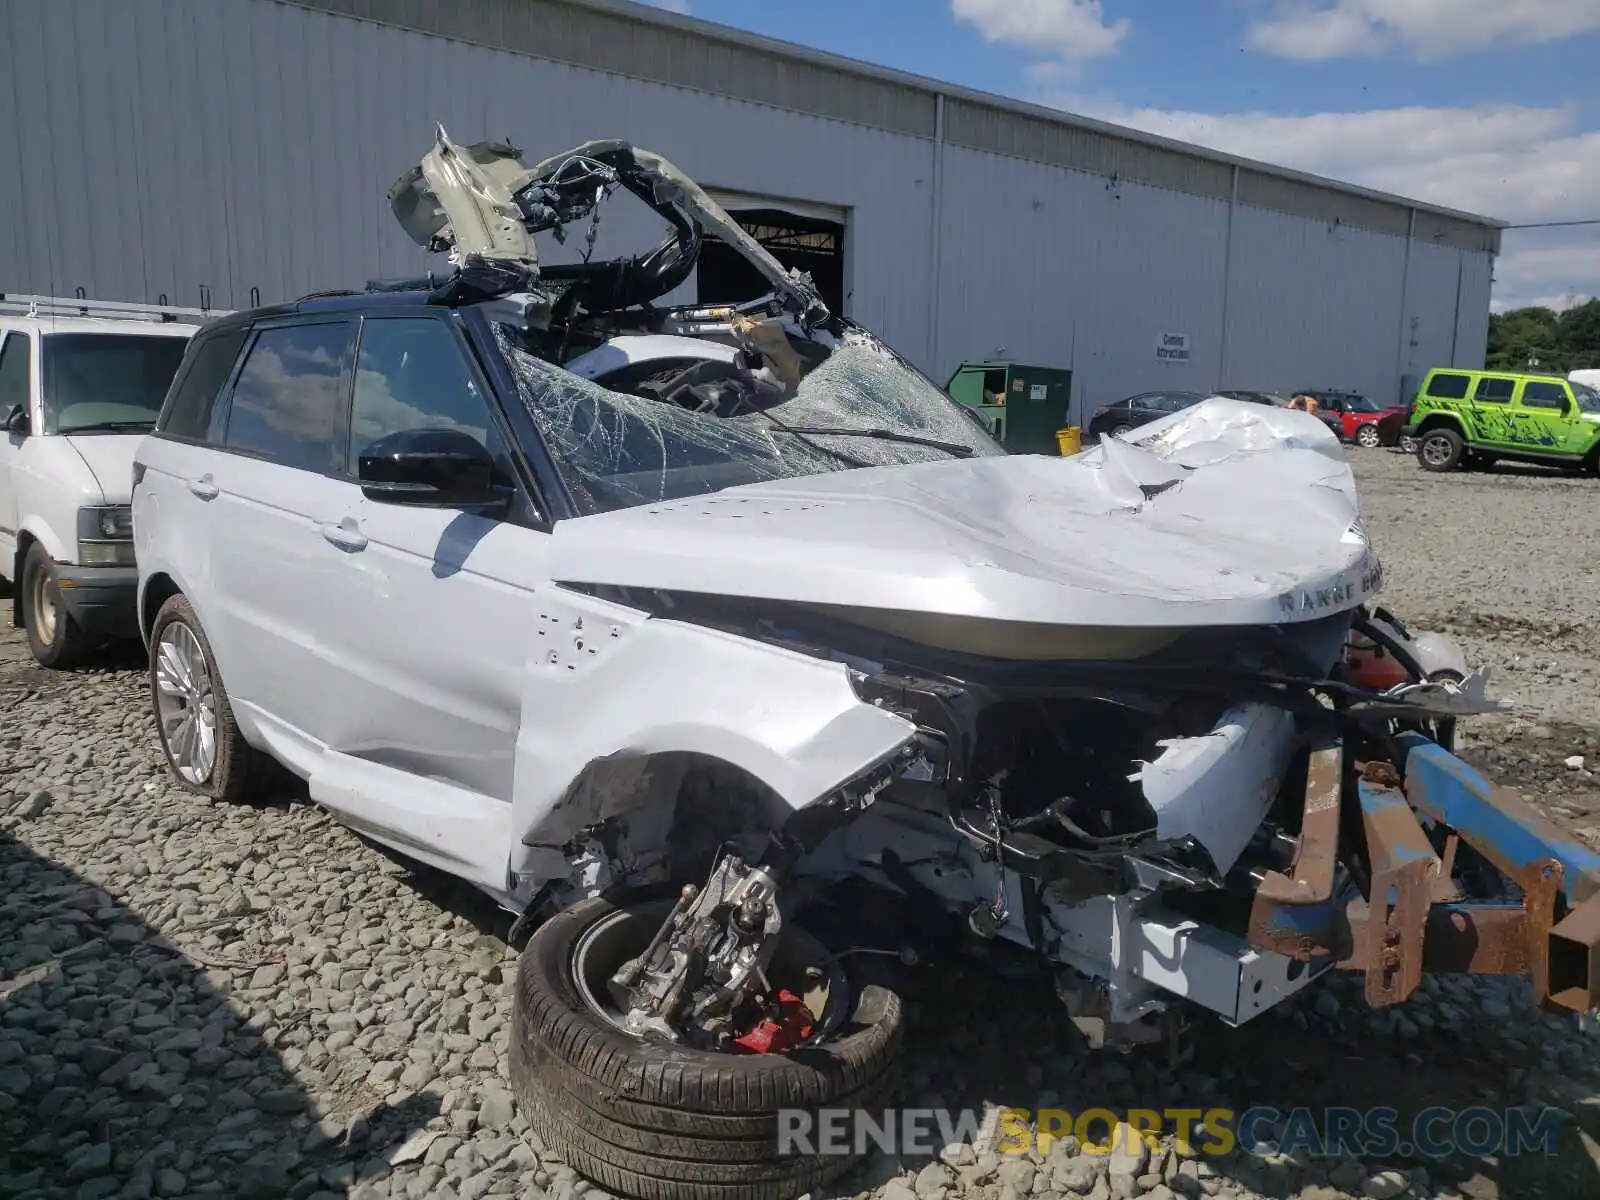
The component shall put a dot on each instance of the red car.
(1360, 420)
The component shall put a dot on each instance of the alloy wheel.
(186, 703)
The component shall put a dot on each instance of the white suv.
(575, 594)
(80, 385)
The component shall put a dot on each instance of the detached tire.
(1440, 450)
(661, 1122)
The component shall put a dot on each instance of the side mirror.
(17, 421)
(431, 468)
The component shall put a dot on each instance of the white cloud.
(1520, 164)
(1064, 31)
(1430, 29)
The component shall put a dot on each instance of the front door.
(432, 632)
(1543, 416)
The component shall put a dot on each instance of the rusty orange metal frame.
(1412, 918)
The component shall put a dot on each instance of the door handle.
(204, 487)
(346, 535)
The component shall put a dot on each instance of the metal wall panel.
(1313, 306)
(1060, 144)
(245, 147)
(619, 43)
(1062, 269)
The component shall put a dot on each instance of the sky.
(1489, 106)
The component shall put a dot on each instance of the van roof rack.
(81, 306)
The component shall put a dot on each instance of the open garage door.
(799, 234)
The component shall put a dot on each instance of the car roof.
(47, 325)
(352, 302)
(1552, 376)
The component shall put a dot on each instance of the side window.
(1494, 391)
(1449, 387)
(289, 401)
(195, 392)
(15, 373)
(1539, 394)
(411, 375)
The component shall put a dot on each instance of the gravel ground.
(250, 1000)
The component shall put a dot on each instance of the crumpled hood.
(1225, 514)
(109, 457)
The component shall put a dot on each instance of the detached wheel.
(205, 750)
(56, 640)
(667, 1122)
(1440, 450)
(1368, 438)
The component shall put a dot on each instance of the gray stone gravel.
(201, 1000)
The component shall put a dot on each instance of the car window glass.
(1539, 394)
(1588, 399)
(288, 403)
(189, 410)
(1494, 391)
(411, 375)
(106, 382)
(15, 372)
(1448, 387)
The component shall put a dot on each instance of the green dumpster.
(1023, 406)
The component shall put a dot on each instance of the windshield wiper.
(958, 449)
(111, 427)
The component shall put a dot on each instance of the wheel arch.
(153, 593)
(1438, 420)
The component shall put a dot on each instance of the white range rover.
(736, 659)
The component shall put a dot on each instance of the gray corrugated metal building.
(244, 147)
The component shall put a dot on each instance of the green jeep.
(1472, 418)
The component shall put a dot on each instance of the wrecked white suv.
(737, 660)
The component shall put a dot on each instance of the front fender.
(658, 686)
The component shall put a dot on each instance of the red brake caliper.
(786, 1023)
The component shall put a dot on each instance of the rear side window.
(1495, 391)
(194, 397)
(1449, 387)
(1539, 394)
(289, 401)
(15, 372)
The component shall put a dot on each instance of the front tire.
(668, 1122)
(1368, 437)
(1440, 450)
(205, 750)
(56, 640)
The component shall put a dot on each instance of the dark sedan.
(1114, 420)
(1272, 399)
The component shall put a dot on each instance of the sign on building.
(1172, 347)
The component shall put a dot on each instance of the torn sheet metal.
(1217, 788)
(1263, 531)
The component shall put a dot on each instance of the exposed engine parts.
(705, 969)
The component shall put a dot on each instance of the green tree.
(1580, 335)
(1522, 337)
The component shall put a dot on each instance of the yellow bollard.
(1069, 440)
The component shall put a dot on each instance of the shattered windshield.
(617, 450)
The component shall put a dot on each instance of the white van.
(80, 385)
